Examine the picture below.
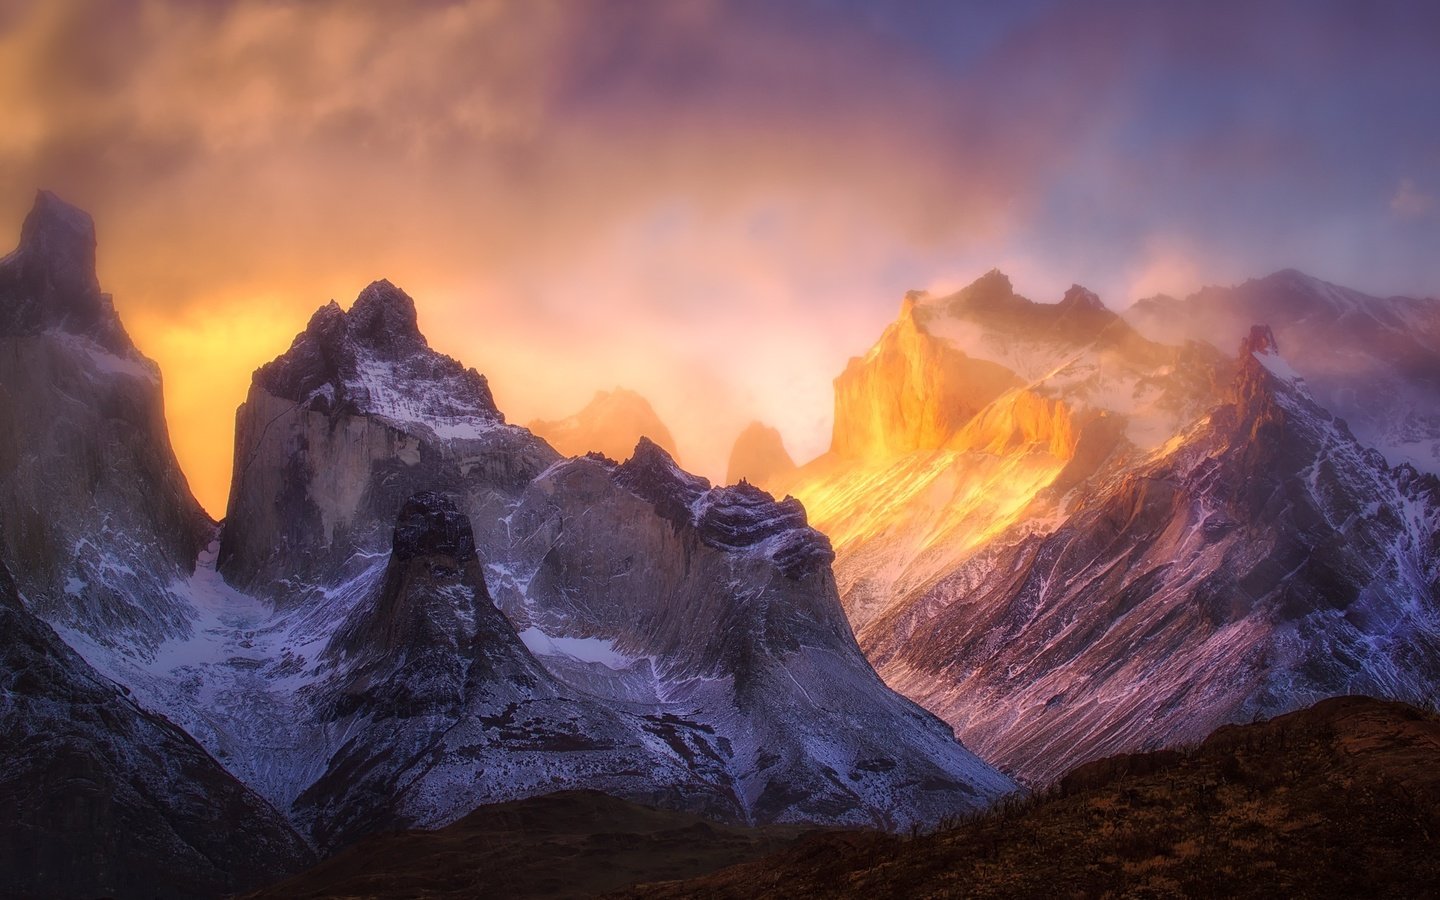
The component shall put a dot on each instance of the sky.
(712, 203)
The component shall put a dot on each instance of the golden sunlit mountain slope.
(978, 412)
(1136, 544)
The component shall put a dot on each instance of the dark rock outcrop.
(430, 524)
(100, 798)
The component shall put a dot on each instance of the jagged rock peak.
(992, 282)
(1260, 340)
(57, 232)
(991, 289)
(384, 317)
(610, 423)
(374, 360)
(651, 474)
(49, 282)
(1264, 375)
(1078, 297)
(733, 518)
(431, 524)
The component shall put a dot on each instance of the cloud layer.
(712, 203)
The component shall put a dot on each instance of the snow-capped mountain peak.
(373, 360)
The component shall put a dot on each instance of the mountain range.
(412, 607)
(1070, 541)
(1059, 532)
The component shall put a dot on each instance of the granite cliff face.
(339, 431)
(98, 520)
(49, 281)
(609, 424)
(719, 604)
(910, 392)
(444, 707)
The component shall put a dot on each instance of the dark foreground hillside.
(567, 844)
(1338, 800)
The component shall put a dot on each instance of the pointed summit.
(758, 456)
(1082, 298)
(1260, 340)
(49, 282)
(609, 424)
(370, 360)
(1262, 378)
(384, 317)
(993, 289)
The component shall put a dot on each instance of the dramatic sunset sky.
(713, 203)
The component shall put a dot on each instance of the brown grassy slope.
(567, 844)
(1338, 800)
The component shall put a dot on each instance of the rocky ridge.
(1373, 361)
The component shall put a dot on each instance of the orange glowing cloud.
(694, 199)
